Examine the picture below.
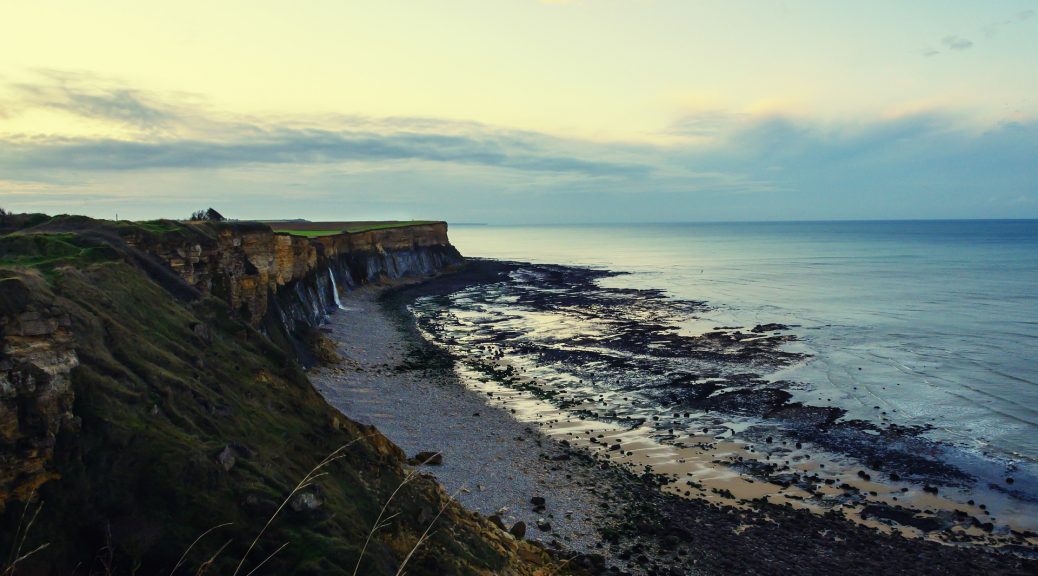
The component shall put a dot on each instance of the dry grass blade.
(280, 548)
(204, 566)
(379, 522)
(302, 485)
(10, 569)
(16, 548)
(21, 535)
(202, 535)
(560, 567)
(425, 534)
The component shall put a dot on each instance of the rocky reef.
(153, 408)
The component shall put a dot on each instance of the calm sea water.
(935, 321)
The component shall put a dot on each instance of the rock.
(425, 515)
(324, 348)
(518, 529)
(543, 525)
(759, 328)
(593, 563)
(37, 357)
(202, 331)
(226, 458)
(496, 521)
(426, 459)
(305, 502)
(537, 501)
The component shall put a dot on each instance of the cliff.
(279, 283)
(149, 393)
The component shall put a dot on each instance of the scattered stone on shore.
(772, 327)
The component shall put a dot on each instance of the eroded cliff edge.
(150, 389)
(283, 284)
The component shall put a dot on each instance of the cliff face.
(387, 254)
(141, 405)
(278, 283)
(283, 284)
(35, 386)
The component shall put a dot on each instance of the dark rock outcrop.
(36, 395)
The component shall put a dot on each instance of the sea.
(935, 322)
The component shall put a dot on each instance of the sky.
(521, 111)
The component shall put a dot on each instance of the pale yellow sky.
(521, 110)
(600, 69)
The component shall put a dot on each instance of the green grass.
(362, 227)
(387, 225)
(158, 226)
(49, 250)
(309, 233)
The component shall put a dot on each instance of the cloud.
(957, 42)
(89, 96)
(299, 147)
(703, 123)
(169, 136)
(718, 165)
(1025, 15)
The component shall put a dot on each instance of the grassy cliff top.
(314, 229)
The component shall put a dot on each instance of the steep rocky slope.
(151, 389)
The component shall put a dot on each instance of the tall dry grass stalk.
(425, 534)
(20, 535)
(202, 535)
(303, 484)
(379, 522)
(205, 566)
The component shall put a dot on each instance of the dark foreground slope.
(137, 413)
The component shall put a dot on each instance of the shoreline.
(491, 463)
(393, 378)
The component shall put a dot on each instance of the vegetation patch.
(386, 225)
(309, 233)
(45, 251)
